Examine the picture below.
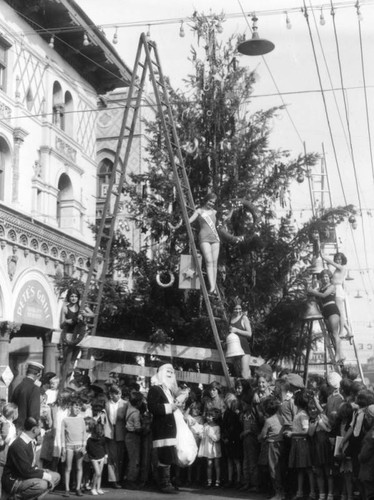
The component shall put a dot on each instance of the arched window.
(58, 107)
(104, 173)
(64, 201)
(5, 159)
(68, 114)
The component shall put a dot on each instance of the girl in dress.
(210, 446)
(338, 278)
(300, 457)
(195, 421)
(322, 459)
(208, 237)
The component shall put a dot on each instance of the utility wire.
(329, 76)
(365, 90)
(178, 20)
(306, 15)
(349, 131)
(274, 82)
(74, 49)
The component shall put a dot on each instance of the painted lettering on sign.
(33, 306)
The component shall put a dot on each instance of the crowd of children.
(315, 441)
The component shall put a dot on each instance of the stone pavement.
(183, 494)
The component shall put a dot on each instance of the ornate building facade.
(53, 65)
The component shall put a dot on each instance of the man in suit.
(27, 394)
(114, 430)
(21, 478)
(161, 404)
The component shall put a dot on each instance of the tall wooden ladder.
(147, 62)
(321, 199)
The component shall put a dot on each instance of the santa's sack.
(186, 444)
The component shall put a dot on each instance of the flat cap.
(295, 380)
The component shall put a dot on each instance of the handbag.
(186, 445)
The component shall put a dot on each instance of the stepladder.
(147, 65)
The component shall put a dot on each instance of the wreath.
(163, 284)
(226, 235)
(77, 335)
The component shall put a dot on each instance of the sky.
(338, 123)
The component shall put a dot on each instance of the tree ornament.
(235, 205)
(166, 284)
(300, 177)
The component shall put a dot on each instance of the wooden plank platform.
(101, 371)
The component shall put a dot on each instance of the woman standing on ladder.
(239, 324)
(338, 277)
(208, 237)
(330, 310)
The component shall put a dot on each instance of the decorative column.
(19, 135)
(49, 352)
(6, 375)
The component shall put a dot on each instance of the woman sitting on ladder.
(330, 310)
(340, 263)
(208, 237)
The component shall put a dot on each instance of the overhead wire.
(177, 20)
(306, 15)
(328, 73)
(28, 20)
(363, 72)
(349, 143)
(275, 83)
(350, 135)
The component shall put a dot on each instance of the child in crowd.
(133, 438)
(300, 458)
(344, 418)
(321, 451)
(73, 442)
(210, 446)
(272, 438)
(231, 430)
(86, 464)
(195, 422)
(8, 433)
(96, 452)
(366, 457)
(146, 444)
(250, 444)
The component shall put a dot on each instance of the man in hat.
(21, 477)
(162, 405)
(27, 394)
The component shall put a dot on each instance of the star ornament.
(189, 274)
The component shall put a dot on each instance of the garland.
(226, 234)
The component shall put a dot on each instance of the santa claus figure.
(162, 405)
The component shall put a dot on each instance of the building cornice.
(15, 226)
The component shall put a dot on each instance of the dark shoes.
(168, 489)
(79, 493)
(130, 485)
(117, 486)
